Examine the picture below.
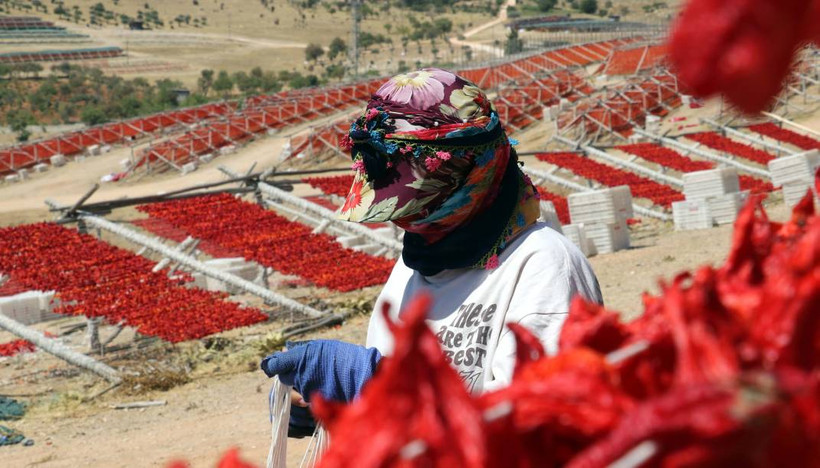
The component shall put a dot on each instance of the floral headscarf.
(430, 155)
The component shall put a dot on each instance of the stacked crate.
(577, 234)
(30, 307)
(549, 215)
(603, 214)
(712, 197)
(691, 215)
(795, 174)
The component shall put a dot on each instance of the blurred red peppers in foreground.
(741, 48)
(721, 369)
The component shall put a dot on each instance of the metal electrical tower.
(354, 40)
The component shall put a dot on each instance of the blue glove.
(335, 369)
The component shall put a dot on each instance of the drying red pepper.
(15, 347)
(721, 369)
(592, 326)
(232, 225)
(697, 425)
(740, 48)
(554, 407)
(415, 412)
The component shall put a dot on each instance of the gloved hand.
(335, 369)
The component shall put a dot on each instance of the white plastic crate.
(702, 185)
(795, 190)
(724, 208)
(608, 237)
(188, 168)
(29, 307)
(549, 215)
(577, 234)
(57, 160)
(608, 206)
(791, 168)
(653, 123)
(623, 201)
(691, 214)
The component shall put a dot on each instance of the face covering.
(430, 155)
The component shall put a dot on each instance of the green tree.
(244, 82)
(297, 80)
(337, 47)
(335, 71)
(514, 43)
(588, 6)
(93, 115)
(313, 52)
(546, 5)
(64, 68)
(30, 68)
(223, 83)
(19, 120)
(270, 83)
(205, 81)
(167, 93)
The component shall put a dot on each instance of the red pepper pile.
(13, 348)
(741, 48)
(674, 160)
(96, 279)
(721, 369)
(666, 157)
(272, 240)
(786, 136)
(727, 145)
(331, 185)
(162, 228)
(612, 177)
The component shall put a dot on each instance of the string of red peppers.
(722, 369)
(742, 49)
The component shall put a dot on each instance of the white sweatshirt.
(539, 273)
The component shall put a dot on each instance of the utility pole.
(354, 40)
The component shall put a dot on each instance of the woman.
(431, 156)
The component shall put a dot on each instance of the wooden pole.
(56, 348)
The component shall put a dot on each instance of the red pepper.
(415, 412)
(741, 48)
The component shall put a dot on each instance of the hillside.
(240, 34)
(184, 37)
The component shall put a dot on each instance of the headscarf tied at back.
(430, 155)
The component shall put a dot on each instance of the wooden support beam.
(56, 348)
